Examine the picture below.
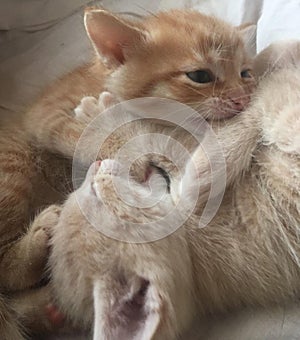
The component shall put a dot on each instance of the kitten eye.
(246, 74)
(201, 76)
(164, 174)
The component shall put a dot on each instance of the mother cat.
(247, 255)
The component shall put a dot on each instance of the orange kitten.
(181, 54)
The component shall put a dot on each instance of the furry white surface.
(41, 40)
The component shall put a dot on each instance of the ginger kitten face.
(182, 55)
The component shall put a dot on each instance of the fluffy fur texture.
(144, 59)
(24, 244)
(247, 255)
(137, 60)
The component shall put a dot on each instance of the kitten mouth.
(227, 110)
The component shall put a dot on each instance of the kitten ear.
(248, 33)
(110, 35)
(128, 310)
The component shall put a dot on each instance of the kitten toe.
(106, 99)
(87, 109)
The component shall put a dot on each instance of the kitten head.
(140, 291)
(182, 54)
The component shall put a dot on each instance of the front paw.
(87, 109)
(90, 107)
(37, 239)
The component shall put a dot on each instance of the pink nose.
(239, 99)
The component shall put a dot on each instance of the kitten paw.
(47, 219)
(90, 107)
(37, 239)
(106, 100)
(87, 109)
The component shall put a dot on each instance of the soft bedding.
(40, 40)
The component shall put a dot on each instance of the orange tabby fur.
(154, 56)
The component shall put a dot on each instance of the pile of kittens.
(247, 255)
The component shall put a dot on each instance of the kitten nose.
(239, 99)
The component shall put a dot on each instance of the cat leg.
(50, 122)
(27, 257)
(60, 132)
(55, 131)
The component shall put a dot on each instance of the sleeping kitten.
(247, 255)
(181, 54)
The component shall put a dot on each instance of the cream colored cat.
(247, 255)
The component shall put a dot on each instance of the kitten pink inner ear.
(110, 35)
(134, 312)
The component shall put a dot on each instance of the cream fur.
(247, 255)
